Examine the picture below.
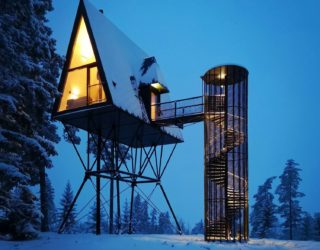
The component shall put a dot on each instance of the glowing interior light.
(158, 86)
(222, 75)
(74, 93)
(84, 43)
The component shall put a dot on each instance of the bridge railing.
(179, 108)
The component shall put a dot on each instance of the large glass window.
(82, 52)
(75, 90)
(95, 89)
(82, 84)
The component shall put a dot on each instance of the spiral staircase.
(225, 201)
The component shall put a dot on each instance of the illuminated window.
(82, 83)
(75, 91)
(82, 52)
(96, 93)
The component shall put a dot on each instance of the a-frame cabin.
(109, 81)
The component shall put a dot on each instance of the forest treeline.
(284, 219)
(29, 69)
(146, 217)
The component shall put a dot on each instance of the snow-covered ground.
(52, 241)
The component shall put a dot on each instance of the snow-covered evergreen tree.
(29, 67)
(106, 151)
(316, 226)
(125, 217)
(164, 224)
(65, 203)
(136, 219)
(198, 228)
(144, 218)
(91, 220)
(23, 217)
(289, 195)
(306, 227)
(153, 222)
(52, 211)
(70, 134)
(184, 229)
(263, 216)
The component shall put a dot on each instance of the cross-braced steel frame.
(115, 165)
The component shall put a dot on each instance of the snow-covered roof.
(151, 72)
(124, 65)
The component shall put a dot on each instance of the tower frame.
(226, 153)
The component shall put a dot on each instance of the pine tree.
(316, 227)
(23, 217)
(106, 150)
(287, 190)
(198, 228)
(52, 211)
(29, 67)
(153, 222)
(263, 219)
(184, 229)
(65, 203)
(137, 208)
(164, 224)
(125, 217)
(144, 218)
(307, 227)
(92, 216)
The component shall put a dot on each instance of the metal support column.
(172, 212)
(98, 201)
(130, 231)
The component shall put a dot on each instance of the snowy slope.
(52, 241)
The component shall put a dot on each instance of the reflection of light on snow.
(74, 93)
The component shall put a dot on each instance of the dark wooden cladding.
(226, 153)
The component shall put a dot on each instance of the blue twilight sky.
(277, 41)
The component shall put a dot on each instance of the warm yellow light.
(83, 40)
(82, 52)
(158, 86)
(222, 75)
(74, 93)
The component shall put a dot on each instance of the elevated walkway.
(226, 184)
(179, 112)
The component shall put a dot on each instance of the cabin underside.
(113, 122)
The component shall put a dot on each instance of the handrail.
(184, 108)
(179, 108)
(180, 100)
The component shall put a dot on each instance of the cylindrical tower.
(226, 153)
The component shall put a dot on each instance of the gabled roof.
(120, 59)
(123, 64)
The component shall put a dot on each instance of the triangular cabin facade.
(109, 81)
(82, 84)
